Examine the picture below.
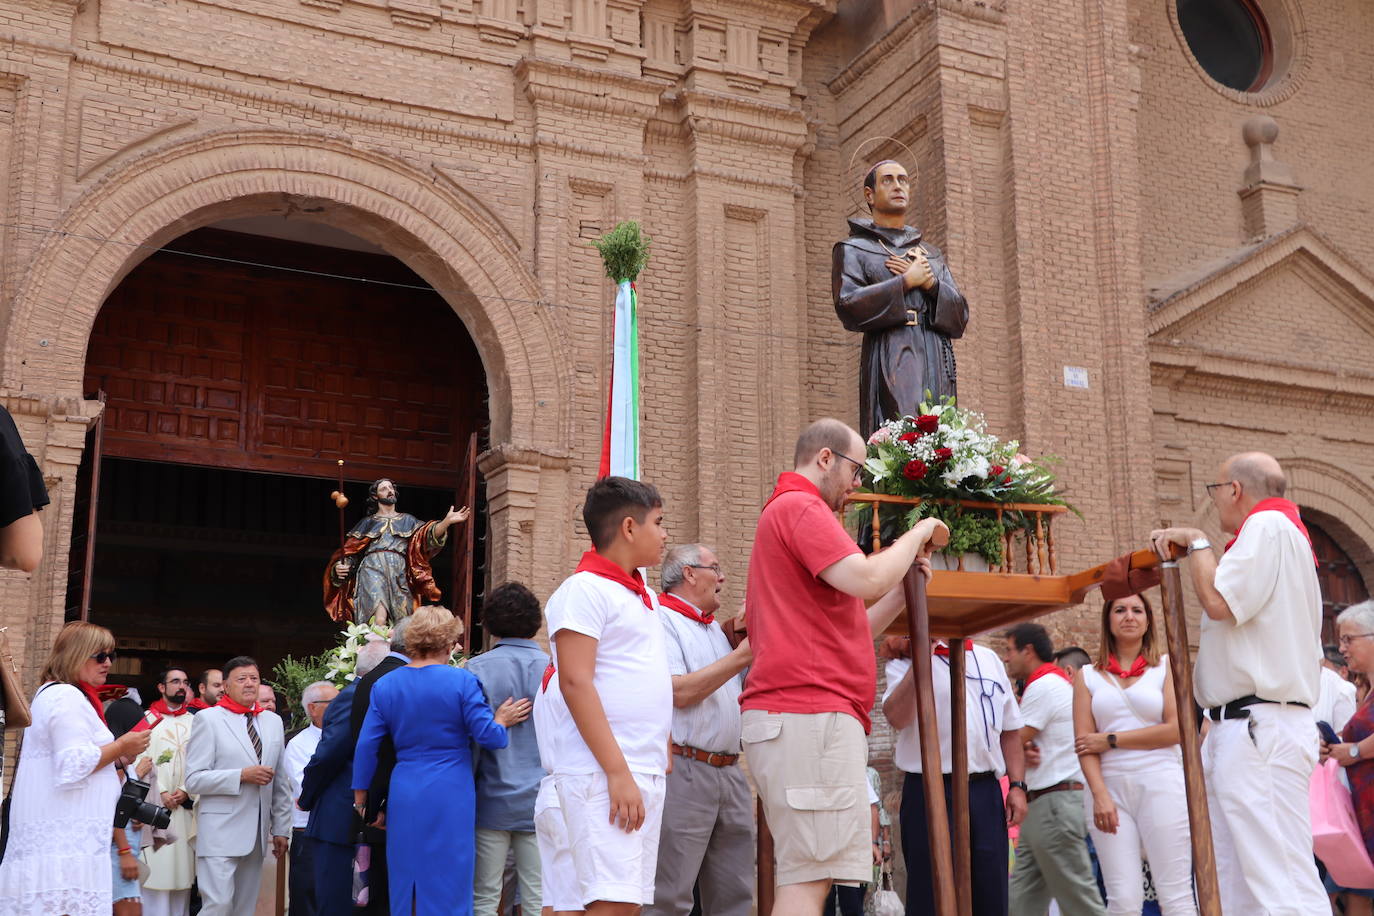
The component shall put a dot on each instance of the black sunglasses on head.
(103, 657)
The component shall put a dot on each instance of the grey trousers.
(229, 884)
(707, 839)
(1052, 859)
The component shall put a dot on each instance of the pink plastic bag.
(1336, 836)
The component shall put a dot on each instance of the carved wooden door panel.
(1340, 580)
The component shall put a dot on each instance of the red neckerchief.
(1289, 511)
(792, 482)
(942, 649)
(197, 703)
(160, 707)
(92, 693)
(108, 692)
(238, 709)
(598, 565)
(1137, 667)
(1047, 668)
(673, 602)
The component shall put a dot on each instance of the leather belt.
(1240, 709)
(1066, 786)
(707, 757)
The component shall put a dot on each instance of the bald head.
(1259, 475)
(825, 433)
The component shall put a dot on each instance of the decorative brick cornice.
(549, 82)
(714, 116)
(509, 455)
(1261, 381)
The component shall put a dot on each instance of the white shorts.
(610, 864)
(555, 854)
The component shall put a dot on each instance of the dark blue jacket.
(325, 788)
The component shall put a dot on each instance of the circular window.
(1230, 39)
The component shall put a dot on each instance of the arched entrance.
(237, 369)
(418, 214)
(1341, 582)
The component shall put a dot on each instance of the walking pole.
(1199, 819)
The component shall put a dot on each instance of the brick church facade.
(1192, 257)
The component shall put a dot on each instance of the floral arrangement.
(945, 456)
(343, 661)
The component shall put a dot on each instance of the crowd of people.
(605, 776)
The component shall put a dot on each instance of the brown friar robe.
(907, 333)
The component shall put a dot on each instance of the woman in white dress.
(1127, 738)
(62, 808)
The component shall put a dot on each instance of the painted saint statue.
(897, 291)
(383, 569)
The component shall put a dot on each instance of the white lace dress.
(58, 859)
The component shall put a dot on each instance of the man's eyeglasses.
(103, 657)
(1346, 640)
(714, 567)
(1212, 486)
(858, 468)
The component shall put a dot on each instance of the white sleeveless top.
(1118, 709)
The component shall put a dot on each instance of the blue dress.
(431, 714)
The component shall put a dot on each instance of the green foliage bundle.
(624, 251)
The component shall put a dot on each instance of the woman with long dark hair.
(1127, 736)
(57, 862)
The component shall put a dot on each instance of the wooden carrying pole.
(937, 818)
(767, 867)
(958, 739)
(1199, 818)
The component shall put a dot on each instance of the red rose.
(915, 469)
(909, 437)
(944, 454)
(996, 470)
(928, 423)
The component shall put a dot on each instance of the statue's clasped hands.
(915, 271)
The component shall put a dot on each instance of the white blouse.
(1123, 709)
(61, 813)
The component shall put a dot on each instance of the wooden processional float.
(960, 603)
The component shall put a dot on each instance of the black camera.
(132, 804)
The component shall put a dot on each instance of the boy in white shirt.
(609, 752)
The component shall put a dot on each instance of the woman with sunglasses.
(1127, 739)
(57, 861)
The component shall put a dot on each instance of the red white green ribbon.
(620, 443)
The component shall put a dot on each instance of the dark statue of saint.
(383, 569)
(898, 292)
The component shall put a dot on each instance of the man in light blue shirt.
(508, 778)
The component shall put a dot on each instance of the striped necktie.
(253, 735)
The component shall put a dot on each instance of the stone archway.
(424, 219)
(421, 217)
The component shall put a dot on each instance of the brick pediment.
(1291, 299)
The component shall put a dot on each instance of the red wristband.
(125, 851)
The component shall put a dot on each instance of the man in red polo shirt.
(806, 702)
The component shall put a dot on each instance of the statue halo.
(859, 164)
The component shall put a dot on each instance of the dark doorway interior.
(237, 370)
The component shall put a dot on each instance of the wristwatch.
(1111, 740)
(1354, 750)
(1199, 544)
(1017, 784)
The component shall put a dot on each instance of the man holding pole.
(1257, 677)
(808, 695)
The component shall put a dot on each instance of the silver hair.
(677, 559)
(398, 636)
(370, 655)
(1361, 615)
(311, 694)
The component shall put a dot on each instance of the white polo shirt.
(1047, 705)
(991, 709)
(1273, 649)
(714, 723)
(298, 752)
(631, 675)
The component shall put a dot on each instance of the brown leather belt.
(707, 757)
(1069, 786)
